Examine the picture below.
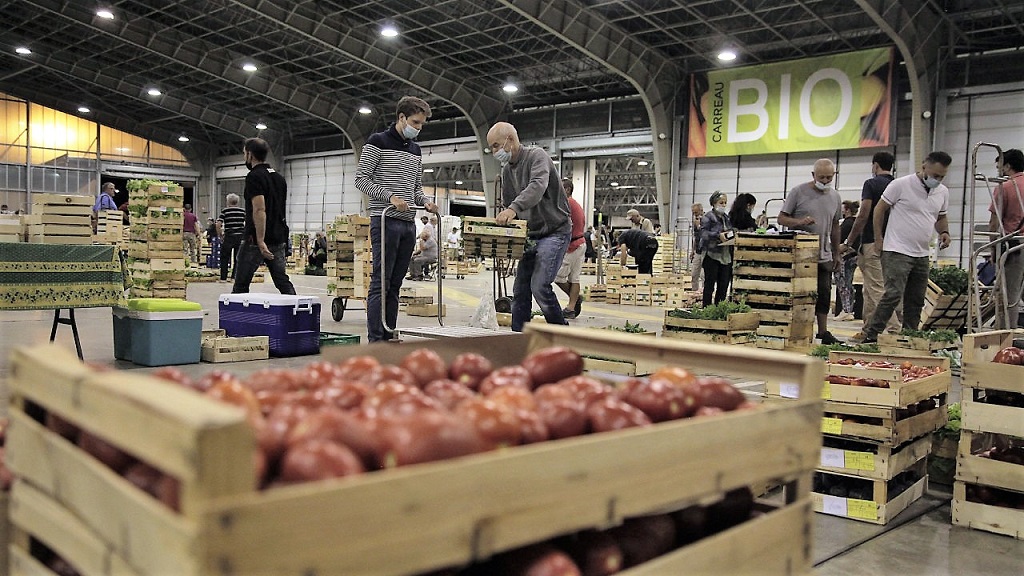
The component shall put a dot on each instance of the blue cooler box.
(291, 322)
(158, 338)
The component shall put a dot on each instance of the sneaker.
(579, 306)
(568, 314)
(827, 338)
(844, 317)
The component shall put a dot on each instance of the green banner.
(825, 103)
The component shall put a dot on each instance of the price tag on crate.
(833, 458)
(826, 391)
(832, 425)
(789, 390)
(834, 505)
(860, 460)
(865, 509)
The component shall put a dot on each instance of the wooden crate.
(235, 349)
(911, 345)
(476, 226)
(881, 509)
(995, 519)
(943, 311)
(738, 329)
(974, 469)
(439, 514)
(425, 310)
(899, 393)
(875, 461)
(891, 431)
(791, 286)
(978, 369)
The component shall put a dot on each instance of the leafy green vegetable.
(629, 327)
(822, 350)
(932, 335)
(951, 279)
(952, 427)
(718, 311)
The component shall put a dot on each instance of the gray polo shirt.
(825, 207)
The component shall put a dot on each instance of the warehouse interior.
(114, 91)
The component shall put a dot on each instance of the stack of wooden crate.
(777, 277)
(483, 237)
(874, 460)
(156, 257)
(739, 328)
(349, 257)
(666, 256)
(10, 228)
(109, 227)
(60, 219)
(943, 311)
(988, 493)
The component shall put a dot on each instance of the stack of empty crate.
(777, 276)
(156, 258)
(349, 260)
(60, 219)
(109, 227)
(665, 257)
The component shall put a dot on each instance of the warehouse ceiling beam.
(917, 32)
(655, 77)
(201, 56)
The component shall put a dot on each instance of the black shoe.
(579, 306)
(827, 338)
(568, 314)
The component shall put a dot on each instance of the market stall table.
(58, 277)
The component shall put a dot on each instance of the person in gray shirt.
(531, 190)
(815, 207)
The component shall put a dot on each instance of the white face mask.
(502, 155)
(932, 182)
(822, 186)
(409, 132)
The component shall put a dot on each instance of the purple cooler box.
(291, 322)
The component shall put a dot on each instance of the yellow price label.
(865, 509)
(831, 425)
(860, 460)
(826, 391)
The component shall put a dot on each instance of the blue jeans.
(400, 236)
(249, 260)
(537, 270)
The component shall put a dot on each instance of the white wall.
(319, 188)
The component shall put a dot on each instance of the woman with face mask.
(717, 258)
(740, 213)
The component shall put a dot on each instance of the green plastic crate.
(331, 339)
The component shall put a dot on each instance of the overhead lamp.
(365, 110)
(642, 163)
(261, 126)
(726, 55)
(22, 50)
(389, 31)
(556, 161)
(458, 182)
(153, 92)
(510, 88)
(105, 14)
(249, 67)
(84, 110)
(613, 184)
(428, 170)
(182, 138)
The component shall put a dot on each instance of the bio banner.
(825, 103)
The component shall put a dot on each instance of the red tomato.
(389, 372)
(172, 374)
(676, 375)
(587, 389)
(110, 455)
(272, 437)
(337, 426)
(506, 376)
(539, 560)
(564, 417)
(274, 379)
(552, 364)
(318, 460)
(386, 392)
(425, 366)
(234, 393)
(61, 426)
(532, 428)
(596, 553)
(470, 369)
(708, 411)
(143, 476)
(448, 392)
(719, 393)
(426, 436)
(320, 374)
(1010, 355)
(343, 394)
(495, 422)
(357, 367)
(662, 400)
(411, 404)
(610, 414)
(513, 396)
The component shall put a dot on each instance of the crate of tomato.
(334, 467)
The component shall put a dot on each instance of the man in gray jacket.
(531, 190)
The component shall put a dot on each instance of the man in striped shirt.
(390, 173)
(231, 229)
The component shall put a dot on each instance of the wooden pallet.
(882, 508)
(445, 514)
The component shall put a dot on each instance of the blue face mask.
(409, 132)
(932, 182)
(501, 155)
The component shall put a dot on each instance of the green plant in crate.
(628, 327)
(718, 311)
(951, 279)
(822, 350)
(932, 335)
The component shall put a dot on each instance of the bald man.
(531, 190)
(815, 207)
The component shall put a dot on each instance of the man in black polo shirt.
(266, 233)
(642, 247)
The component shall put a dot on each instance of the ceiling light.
(458, 182)
(249, 67)
(104, 13)
(84, 110)
(726, 55)
(22, 50)
(182, 138)
(389, 31)
(556, 161)
(261, 126)
(153, 92)
(613, 183)
(428, 170)
(642, 163)
(365, 110)
(510, 88)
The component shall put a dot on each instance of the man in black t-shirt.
(868, 260)
(265, 238)
(642, 247)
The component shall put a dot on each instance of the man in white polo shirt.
(916, 205)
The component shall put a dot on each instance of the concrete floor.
(920, 541)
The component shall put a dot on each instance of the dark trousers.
(905, 277)
(249, 260)
(717, 277)
(229, 255)
(400, 236)
(645, 260)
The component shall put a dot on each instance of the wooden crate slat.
(986, 471)
(884, 512)
(995, 519)
(982, 417)
(881, 462)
